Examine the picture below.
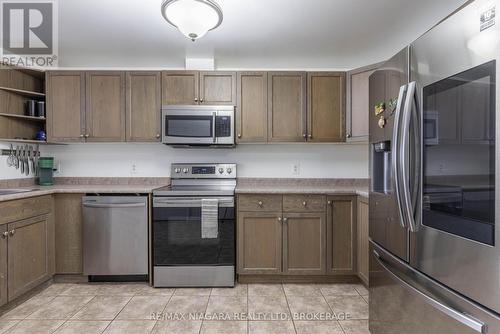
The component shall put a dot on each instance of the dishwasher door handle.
(114, 205)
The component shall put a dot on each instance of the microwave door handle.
(395, 155)
(214, 117)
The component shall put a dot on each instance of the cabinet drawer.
(304, 203)
(259, 202)
(25, 208)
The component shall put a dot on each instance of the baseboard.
(298, 279)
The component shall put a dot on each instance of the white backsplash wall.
(153, 160)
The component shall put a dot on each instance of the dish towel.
(209, 218)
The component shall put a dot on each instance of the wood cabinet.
(68, 233)
(65, 106)
(143, 106)
(287, 106)
(358, 103)
(194, 87)
(251, 107)
(326, 106)
(341, 235)
(26, 245)
(105, 106)
(259, 242)
(3, 264)
(362, 241)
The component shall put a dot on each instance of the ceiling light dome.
(193, 18)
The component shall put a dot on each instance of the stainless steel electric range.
(194, 227)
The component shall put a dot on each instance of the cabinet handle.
(310, 136)
(285, 220)
(239, 135)
(201, 100)
(304, 135)
(304, 203)
(87, 135)
(196, 99)
(158, 135)
(12, 232)
(329, 202)
(348, 135)
(82, 135)
(5, 235)
(279, 219)
(260, 203)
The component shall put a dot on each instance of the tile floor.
(138, 308)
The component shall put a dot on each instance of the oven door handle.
(188, 202)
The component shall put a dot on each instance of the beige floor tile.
(130, 327)
(83, 327)
(355, 326)
(192, 292)
(62, 307)
(177, 327)
(304, 308)
(268, 308)
(353, 307)
(265, 290)
(6, 324)
(143, 307)
(102, 308)
(318, 327)
(271, 327)
(238, 290)
(186, 305)
(55, 289)
(36, 326)
(118, 289)
(81, 289)
(224, 327)
(146, 290)
(227, 308)
(363, 291)
(26, 308)
(307, 290)
(339, 290)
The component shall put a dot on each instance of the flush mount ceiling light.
(193, 18)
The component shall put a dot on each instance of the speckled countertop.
(303, 186)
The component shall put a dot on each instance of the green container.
(45, 171)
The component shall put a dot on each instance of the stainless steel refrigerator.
(434, 192)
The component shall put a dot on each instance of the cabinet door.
(376, 96)
(251, 108)
(304, 243)
(28, 254)
(218, 88)
(362, 239)
(341, 233)
(143, 106)
(65, 106)
(105, 106)
(180, 87)
(287, 106)
(259, 242)
(326, 107)
(3, 265)
(68, 233)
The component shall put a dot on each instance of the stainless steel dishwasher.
(115, 235)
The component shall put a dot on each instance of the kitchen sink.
(14, 191)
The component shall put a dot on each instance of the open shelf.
(26, 93)
(28, 118)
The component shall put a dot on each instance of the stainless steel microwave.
(198, 125)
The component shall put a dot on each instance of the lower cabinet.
(362, 239)
(3, 264)
(341, 235)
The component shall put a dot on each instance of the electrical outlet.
(296, 168)
(133, 169)
(58, 168)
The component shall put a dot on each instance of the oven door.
(455, 67)
(177, 238)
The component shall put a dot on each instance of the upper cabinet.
(105, 106)
(326, 107)
(251, 107)
(287, 106)
(358, 103)
(193, 87)
(143, 91)
(65, 106)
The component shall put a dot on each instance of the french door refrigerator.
(434, 190)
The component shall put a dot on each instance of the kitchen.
(211, 178)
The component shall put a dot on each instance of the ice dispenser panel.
(381, 167)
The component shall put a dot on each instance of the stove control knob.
(221, 170)
(229, 170)
(185, 170)
(177, 170)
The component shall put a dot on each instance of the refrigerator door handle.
(465, 319)
(395, 155)
(409, 201)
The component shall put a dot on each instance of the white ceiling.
(255, 34)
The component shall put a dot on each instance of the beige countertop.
(303, 186)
